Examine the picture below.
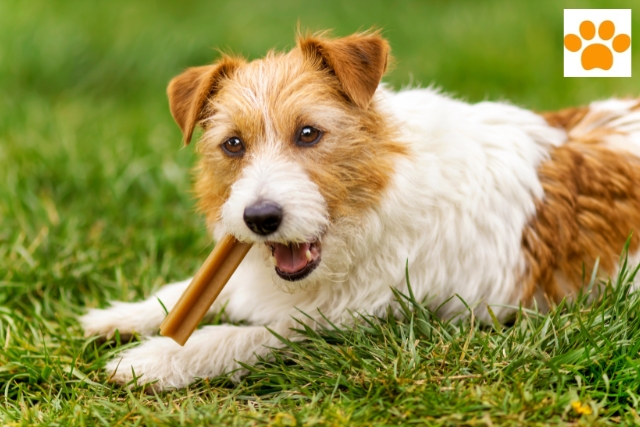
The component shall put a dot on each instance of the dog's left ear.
(358, 61)
(189, 92)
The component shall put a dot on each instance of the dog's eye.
(233, 146)
(308, 135)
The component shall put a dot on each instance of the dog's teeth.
(273, 261)
(308, 254)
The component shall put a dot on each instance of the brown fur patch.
(567, 118)
(354, 170)
(586, 125)
(591, 204)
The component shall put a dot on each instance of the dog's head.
(294, 150)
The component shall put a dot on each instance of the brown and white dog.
(339, 182)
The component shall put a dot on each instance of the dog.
(343, 186)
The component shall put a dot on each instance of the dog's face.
(292, 148)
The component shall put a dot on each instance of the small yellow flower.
(283, 420)
(580, 408)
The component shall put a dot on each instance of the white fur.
(455, 210)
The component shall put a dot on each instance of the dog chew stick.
(204, 289)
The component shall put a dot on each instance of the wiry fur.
(464, 193)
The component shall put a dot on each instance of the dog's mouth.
(295, 261)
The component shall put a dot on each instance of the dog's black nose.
(263, 217)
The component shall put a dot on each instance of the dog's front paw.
(158, 363)
(211, 351)
(128, 318)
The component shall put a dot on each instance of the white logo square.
(597, 43)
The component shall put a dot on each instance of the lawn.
(95, 205)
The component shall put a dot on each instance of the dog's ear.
(189, 92)
(358, 61)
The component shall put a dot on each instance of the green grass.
(95, 205)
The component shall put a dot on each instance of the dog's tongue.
(291, 258)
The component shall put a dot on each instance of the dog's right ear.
(189, 92)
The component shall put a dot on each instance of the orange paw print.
(597, 55)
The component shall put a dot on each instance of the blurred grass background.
(94, 185)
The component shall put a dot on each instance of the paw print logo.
(597, 55)
(597, 43)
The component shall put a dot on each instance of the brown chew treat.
(204, 289)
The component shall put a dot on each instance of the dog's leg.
(211, 351)
(143, 317)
